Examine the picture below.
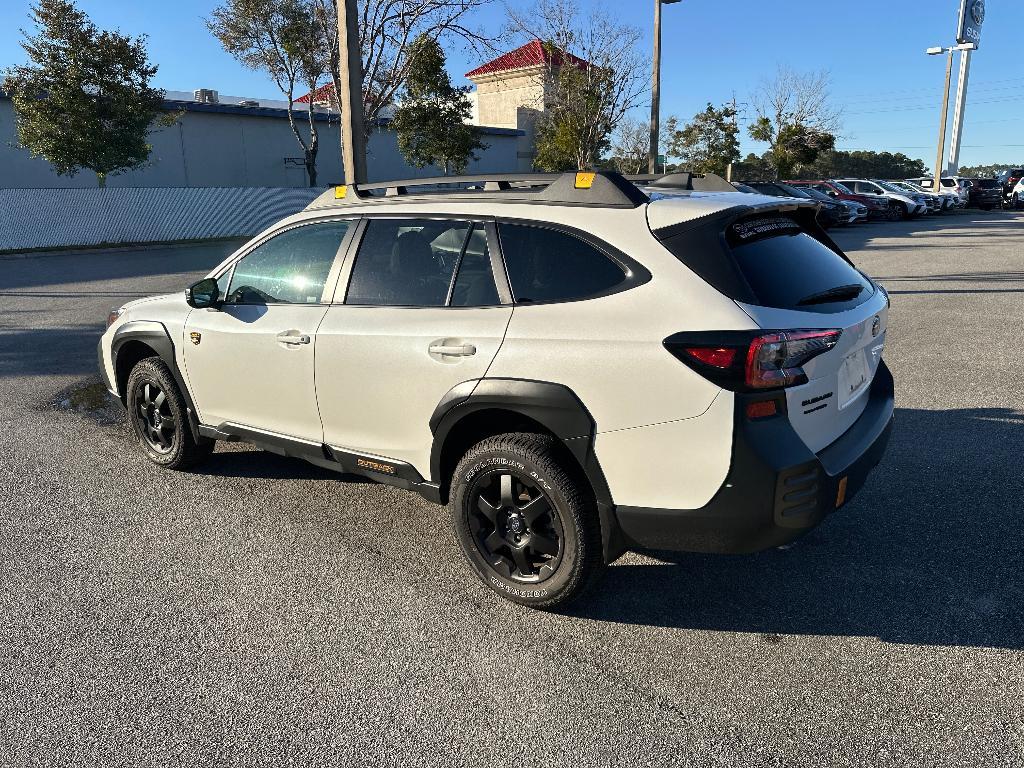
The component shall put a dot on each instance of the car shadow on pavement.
(930, 552)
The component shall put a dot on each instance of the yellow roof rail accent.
(339, 192)
(585, 179)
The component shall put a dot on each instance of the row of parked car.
(847, 201)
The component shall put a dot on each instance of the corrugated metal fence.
(58, 218)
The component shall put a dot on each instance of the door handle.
(463, 350)
(288, 339)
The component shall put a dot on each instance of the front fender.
(155, 336)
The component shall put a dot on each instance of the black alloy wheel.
(155, 421)
(515, 526)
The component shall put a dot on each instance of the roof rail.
(708, 182)
(585, 188)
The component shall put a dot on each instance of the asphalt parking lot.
(263, 611)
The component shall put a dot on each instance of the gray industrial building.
(231, 145)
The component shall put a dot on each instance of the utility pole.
(350, 64)
(652, 153)
(958, 112)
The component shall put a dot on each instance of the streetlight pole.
(652, 152)
(350, 64)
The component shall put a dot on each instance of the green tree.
(431, 117)
(862, 164)
(630, 147)
(983, 171)
(794, 118)
(753, 168)
(594, 76)
(387, 31)
(283, 39)
(709, 142)
(84, 98)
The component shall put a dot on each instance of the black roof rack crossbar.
(585, 188)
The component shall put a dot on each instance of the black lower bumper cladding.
(776, 489)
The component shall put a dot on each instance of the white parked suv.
(1016, 197)
(954, 192)
(902, 204)
(574, 369)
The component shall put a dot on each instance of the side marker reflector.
(762, 409)
(339, 191)
(841, 493)
(585, 180)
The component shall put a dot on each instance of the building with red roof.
(512, 91)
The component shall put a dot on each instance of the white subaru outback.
(574, 368)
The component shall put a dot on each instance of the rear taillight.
(752, 361)
(774, 360)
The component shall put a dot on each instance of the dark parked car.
(877, 208)
(985, 194)
(831, 213)
(1008, 180)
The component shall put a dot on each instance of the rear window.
(986, 183)
(787, 268)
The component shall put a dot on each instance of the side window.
(407, 262)
(290, 268)
(548, 265)
(474, 284)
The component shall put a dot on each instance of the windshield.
(842, 188)
(793, 191)
(892, 187)
(816, 194)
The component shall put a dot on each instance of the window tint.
(290, 268)
(788, 269)
(474, 285)
(406, 262)
(547, 265)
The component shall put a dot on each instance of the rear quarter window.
(546, 265)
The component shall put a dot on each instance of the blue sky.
(888, 89)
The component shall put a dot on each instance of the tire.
(524, 522)
(896, 212)
(159, 417)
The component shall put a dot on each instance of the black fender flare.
(155, 336)
(557, 408)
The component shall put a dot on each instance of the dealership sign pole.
(968, 35)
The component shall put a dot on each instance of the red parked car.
(877, 209)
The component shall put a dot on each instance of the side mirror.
(205, 293)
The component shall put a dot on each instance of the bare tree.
(387, 30)
(280, 38)
(794, 117)
(631, 146)
(595, 76)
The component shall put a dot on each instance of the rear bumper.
(776, 490)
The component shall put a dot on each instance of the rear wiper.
(839, 293)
